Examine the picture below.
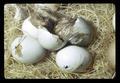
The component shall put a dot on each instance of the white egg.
(85, 33)
(29, 29)
(27, 50)
(20, 13)
(73, 59)
(111, 55)
(113, 22)
(49, 41)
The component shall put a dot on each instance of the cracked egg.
(27, 50)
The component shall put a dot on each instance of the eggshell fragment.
(49, 41)
(29, 29)
(75, 30)
(84, 33)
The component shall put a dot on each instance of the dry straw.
(99, 14)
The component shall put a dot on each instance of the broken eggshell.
(83, 33)
(29, 29)
(73, 59)
(27, 50)
(30, 24)
(76, 31)
(49, 41)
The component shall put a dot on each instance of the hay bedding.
(99, 14)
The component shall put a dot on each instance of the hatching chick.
(41, 17)
(64, 27)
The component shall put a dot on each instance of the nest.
(99, 14)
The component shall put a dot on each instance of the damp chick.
(41, 18)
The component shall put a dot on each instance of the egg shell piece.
(49, 41)
(29, 29)
(31, 51)
(82, 27)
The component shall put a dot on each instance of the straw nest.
(101, 16)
